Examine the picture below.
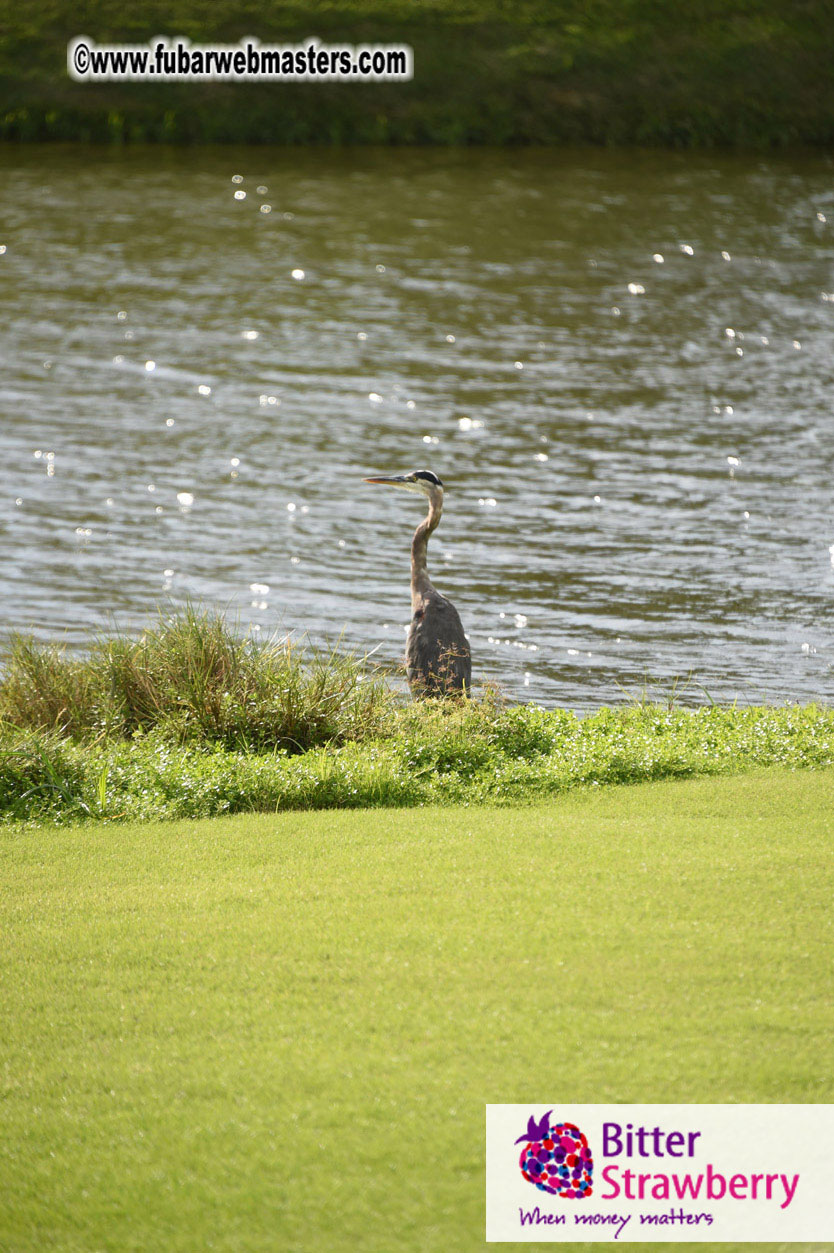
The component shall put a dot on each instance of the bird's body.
(438, 660)
(437, 657)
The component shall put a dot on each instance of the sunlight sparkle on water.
(657, 376)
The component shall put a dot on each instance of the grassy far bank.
(617, 71)
(190, 720)
(280, 1031)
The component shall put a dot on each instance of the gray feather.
(437, 653)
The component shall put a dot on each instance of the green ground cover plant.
(279, 1030)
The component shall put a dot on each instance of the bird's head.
(425, 482)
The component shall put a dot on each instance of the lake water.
(620, 365)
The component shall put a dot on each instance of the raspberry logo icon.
(556, 1157)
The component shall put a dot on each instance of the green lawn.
(278, 1032)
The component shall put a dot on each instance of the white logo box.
(694, 1173)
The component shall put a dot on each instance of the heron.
(437, 657)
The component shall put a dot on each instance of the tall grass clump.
(193, 678)
(44, 689)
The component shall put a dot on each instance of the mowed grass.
(278, 1032)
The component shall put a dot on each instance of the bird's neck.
(420, 582)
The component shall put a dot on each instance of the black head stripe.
(428, 476)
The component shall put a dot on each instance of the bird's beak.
(398, 480)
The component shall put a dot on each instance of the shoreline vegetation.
(486, 72)
(189, 720)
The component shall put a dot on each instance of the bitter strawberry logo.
(556, 1157)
